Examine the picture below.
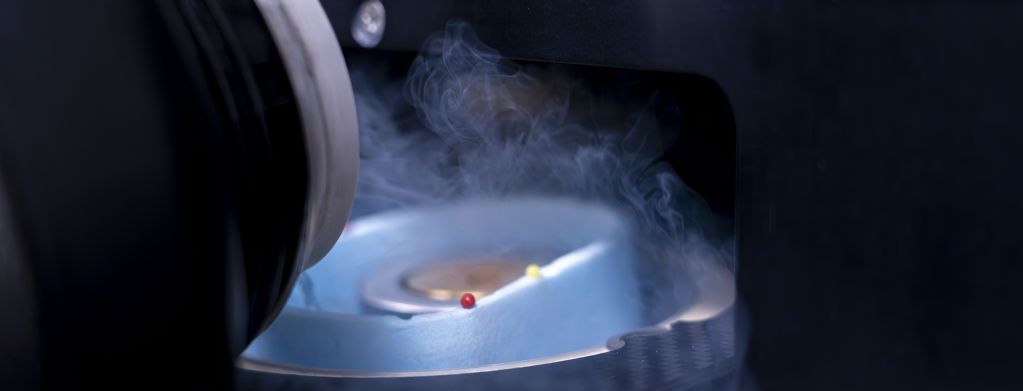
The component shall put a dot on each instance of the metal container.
(580, 324)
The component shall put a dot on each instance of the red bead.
(468, 300)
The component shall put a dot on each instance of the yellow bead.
(533, 271)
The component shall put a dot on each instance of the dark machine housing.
(865, 156)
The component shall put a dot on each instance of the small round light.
(468, 300)
(533, 271)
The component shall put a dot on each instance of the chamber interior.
(619, 184)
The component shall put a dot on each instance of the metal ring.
(326, 102)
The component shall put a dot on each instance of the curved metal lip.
(716, 294)
(383, 290)
(262, 366)
(319, 77)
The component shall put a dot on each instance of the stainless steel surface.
(320, 81)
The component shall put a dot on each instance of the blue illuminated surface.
(586, 296)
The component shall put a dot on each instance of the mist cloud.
(466, 123)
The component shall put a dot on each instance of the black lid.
(154, 168)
